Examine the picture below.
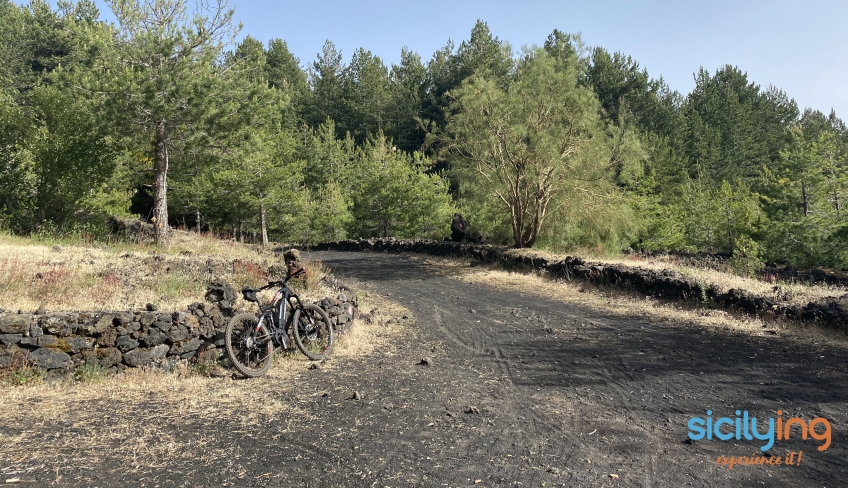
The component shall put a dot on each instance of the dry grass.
(792, 293)
(378, 337)
(126, 277)
(619, 302)
(133, 419)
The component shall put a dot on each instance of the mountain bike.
(253, 338)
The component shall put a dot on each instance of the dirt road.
(524, 391)
(569, 397)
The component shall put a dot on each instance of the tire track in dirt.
(480, 340)
(613, 390)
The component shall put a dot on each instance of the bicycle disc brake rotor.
(310, 329)
(312, 333)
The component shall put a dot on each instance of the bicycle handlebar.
(283, 282)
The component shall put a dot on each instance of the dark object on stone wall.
(220, 291)
(462, 231)
(291, 255)
(459, 227)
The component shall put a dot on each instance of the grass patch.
(89, 372)
(22, 372)
(127, 276)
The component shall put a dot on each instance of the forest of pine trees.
(559, 145)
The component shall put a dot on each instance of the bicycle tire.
(315, 337)
(250, 352)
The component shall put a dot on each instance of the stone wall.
(62, 341)
(831, 311)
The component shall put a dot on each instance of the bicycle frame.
(280, 303)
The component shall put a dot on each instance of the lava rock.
(126, 343)
(77, 344)
(48, 358)
(160, 351)
(137, 357)
(9, 339)
(152, 337)
(14, 324)
(104, 357)
(220, 291)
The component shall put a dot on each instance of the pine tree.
(161, 75)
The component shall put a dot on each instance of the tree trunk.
(160, 185)
(241, 231)
(262, 223)
(516, 226)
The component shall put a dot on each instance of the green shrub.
(746, 260)
(89, 372)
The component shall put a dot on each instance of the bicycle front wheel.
(313, 332)
(251, 351)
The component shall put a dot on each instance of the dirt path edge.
(666, 284)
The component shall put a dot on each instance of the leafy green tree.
(262, 184)
(285, 74)
(15, 161)
(482, 54)
(253, 158)
(329, 214)
(734, 128)
(35, 39)
(395, 197)
(438, 81)
(328, 159)
(806, 199)
(618, 83)
(53, 148)
(714, 218)
(325, 80)
(564, 47)
(526, 145)
(330, 178)
(71, 156)
(628, 93)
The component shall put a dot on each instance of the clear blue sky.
(798, 46)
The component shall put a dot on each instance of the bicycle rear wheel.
(313, 332)
(251, 351)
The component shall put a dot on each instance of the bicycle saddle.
(249, 294)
